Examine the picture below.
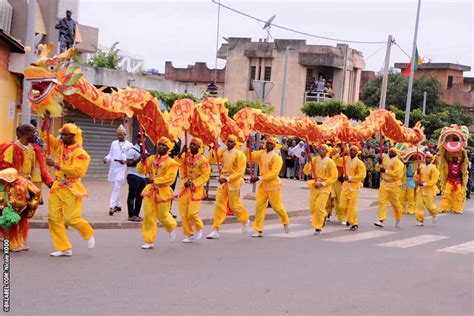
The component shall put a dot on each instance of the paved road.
(407, 271)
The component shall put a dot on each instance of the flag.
(406, 73)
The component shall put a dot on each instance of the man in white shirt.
(136, 181)
(118, 165)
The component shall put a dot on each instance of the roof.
(434, 66)
(14, 44)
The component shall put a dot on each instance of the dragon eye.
(51, 67)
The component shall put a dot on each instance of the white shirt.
(133, 154)
(118, 151)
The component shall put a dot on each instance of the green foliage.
(397, 92)
(237, 106)
(168, 98)
(356, 111)
(109, 59)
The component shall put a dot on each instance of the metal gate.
(97, 139)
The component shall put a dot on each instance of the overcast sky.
(185, 31)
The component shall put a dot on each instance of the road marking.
(360, 236)
(307, 232)
(463, 248)
(413, 241)
(439, 215)
(266, 227)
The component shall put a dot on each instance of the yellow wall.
(8, 97)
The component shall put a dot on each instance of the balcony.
(317, 96)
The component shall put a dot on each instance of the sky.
(185, 32)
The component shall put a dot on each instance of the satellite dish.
(268, 26)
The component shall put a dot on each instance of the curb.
(133, 225)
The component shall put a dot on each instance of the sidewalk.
(96, 206)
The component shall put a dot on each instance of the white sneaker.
(65, 253)
(344, 223)
(245, 227)
(286, 228)
(213, 235)
(91, 243)
(148, 246)
(379, 224)
(397, 224)
(188, 240)
(419, 223)
(257, 235)
(317, 232)
(198, 235)
(172, 235)
(435, 219)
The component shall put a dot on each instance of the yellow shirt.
(72, 163)
(269, 166)
(356, 173)
(394, 170)
(233, 166)
(196, 169)
(162, 170)
(325, 171)
(429, 176)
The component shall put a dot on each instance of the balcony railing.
(316, 96)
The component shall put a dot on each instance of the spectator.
(284, 155)
(38, 140)
(298, 152)
(320, 84)
(290, 162)
(136, 181)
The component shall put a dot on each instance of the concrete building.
(10, 87)
(456, 87)
(247, 61)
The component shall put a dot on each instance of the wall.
(8, 97)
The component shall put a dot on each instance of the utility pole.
(412, 68)
(424, 103)
(344, 69)
(285, 75)
(383, 93)
(29, 58)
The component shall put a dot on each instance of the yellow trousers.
(153, 212)
(66, 209)
(274, 196)
(427, 201)
(335, 202)
(453, 201)
(349, 206)
(189, 211)
(389, 195)
(15, 236)
(225, 199)
(317, 207)
(407, 200)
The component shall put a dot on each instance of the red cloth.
(454, 175)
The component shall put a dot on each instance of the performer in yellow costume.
(67, 191)
(161, 171)
(195, 172)
(391, 171)
(269, 185)
(353, 181)
(228, 191)
(334, 200)
(454, 193)
(407, 189)
(427, 178)
(320, 187)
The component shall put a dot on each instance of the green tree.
(397, 92)
(103, 59)
(239, 105)
(168, 98)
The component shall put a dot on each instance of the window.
(253, 70)
(268, 74)
(450, 82)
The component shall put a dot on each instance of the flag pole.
(412, 69)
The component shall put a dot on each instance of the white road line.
(360, 236)
(413, 241)
(265, 228)
(463, 248)
(307, 232)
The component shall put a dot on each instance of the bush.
(356, 111)
(109, 59)
(237, 106)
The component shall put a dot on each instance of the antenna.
(268, 26)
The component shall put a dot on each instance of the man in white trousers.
(118, 165)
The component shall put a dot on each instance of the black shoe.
(174, 216)
(317, 232)
(348, 224)
(117, 209)
(353, 228)
(111, 212)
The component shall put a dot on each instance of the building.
(247, 61)
(10, 87)
(456, 87)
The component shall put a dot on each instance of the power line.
(402, 50)
(374, 53)
(296, 31)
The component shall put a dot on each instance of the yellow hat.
(354, 147)
(232, 138)
(394, 150)
(328, 148)
(72, 128)
(165, 141)
(197, 141)
(274, 141)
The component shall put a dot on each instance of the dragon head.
(410, 152)
(453, 138)
(51, 79)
